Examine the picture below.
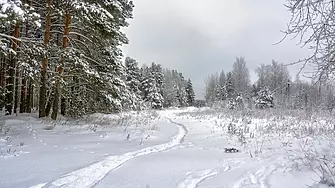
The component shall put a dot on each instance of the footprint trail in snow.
(90, 175)
(193, 179)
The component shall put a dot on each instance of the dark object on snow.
(231, 150)
(128, 136)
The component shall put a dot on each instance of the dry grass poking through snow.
(307, 138)
(132, 124)
(98, 121)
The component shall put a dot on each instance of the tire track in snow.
(193, 179)
(260, 179)
(91, 175)
(39, 185)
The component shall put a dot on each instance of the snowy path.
(190, 164)
(200, 161)
(184, 153)
(89, 176)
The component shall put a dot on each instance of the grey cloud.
(201, 37)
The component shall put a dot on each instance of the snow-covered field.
(170, 149)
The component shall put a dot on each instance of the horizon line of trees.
(274, 88)
(157, 87)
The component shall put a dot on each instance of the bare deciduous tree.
(313, 22)
(241, 76)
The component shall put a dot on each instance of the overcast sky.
(199, 37)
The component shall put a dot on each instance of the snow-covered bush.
(260, 133)
(236, 103)
(264, 99)
(219, 104)
(320, 159)
(139, 119)
(252, 124)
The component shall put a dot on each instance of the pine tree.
(182, 94)
(220, 93)
(235, 99)
(133, 83)
(44, 63)
(211, 89)
(157, 72)
(170, 89)
(230, 92)
(264, 99)
(95, 74)
(75, 60)
(274, 76)
(190, 93)
(154, 98)
(10, 81)
(220, 88)
(15, 16)
(149, 89)
(61, 65)
(2, 80)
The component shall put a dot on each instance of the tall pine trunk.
(16, 93)
(50, 102)
(11, 72)
(24, 92)
(23, 95)
(44, 65)
(57, 93)
(61, 64)
(30, 95)
(63, 106)
(2, 81)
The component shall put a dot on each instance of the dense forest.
(64, 56)
(274, 87)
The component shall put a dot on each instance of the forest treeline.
(274, 88)
(64, 56)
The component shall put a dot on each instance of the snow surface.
(89, 176)
(168, 151)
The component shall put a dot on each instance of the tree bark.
(63, 106)
(60, 67)
(50, 102)
(57, 93)
(16, 93)
(11, 72)
(44, 65)
(23, 95)
(30, 95)
(3, 81)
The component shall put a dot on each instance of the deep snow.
(167, 151)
